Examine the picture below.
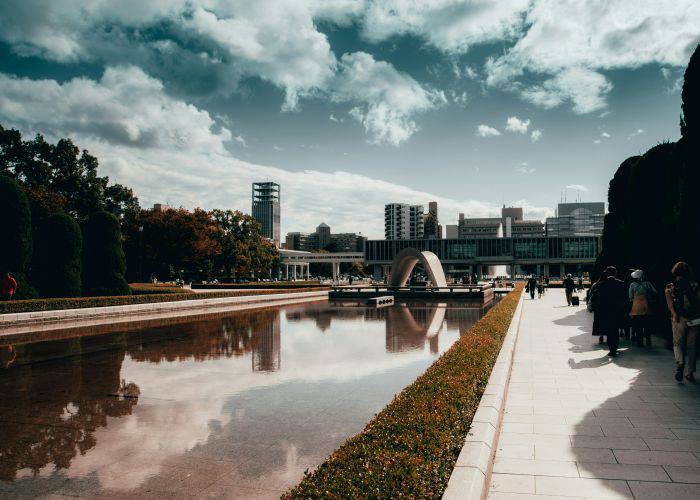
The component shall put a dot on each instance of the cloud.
(515, 124)
(572, 43)
(125, 106)
(525, 168)
(536, 135)
(334, 119)
(486, 131)
(453, 26)
(170, 151)
(386, 99)
(577, 187)
(637, 132)
(584, 89)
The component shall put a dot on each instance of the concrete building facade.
(266, 209)
(403, 221)
(577, 219)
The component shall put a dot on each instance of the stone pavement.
(578, 424)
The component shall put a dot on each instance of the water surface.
(237, 405)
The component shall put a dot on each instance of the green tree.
(103, 257)
(64, 172)
(57, 266)
(16, 230)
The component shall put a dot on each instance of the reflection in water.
(178, 406)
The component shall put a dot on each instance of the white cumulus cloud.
(515, 124)
(486, 131)
(577, 187)
(535, 135)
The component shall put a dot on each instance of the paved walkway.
(579, 424)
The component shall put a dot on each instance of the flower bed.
(257, 284)
(150, 289)
(410, 448)
(20, 306)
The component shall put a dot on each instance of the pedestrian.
(642, 297)
(609, 305)
(683, 301)
(540, 287)
(580, 284)
(8, 286)
(531, 286)
(569, 288)
(591, 303)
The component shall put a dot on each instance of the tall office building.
(431, 225)
(323, 235)
(403, 221)
(577, 219)
(266, 209)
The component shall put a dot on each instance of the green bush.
(16, 231)
(410, 448)
(56, 267)
(22, 306)
(144, 289)
(103, 257)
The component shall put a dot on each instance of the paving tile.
(623, 471)
(621, 443)
(512, 483)
(673, 444)
(648, 490)
(525, 451)
(567, 453)
(535, 467)
(568, 430)
(684, 474)
(597, 488)
(680, 458)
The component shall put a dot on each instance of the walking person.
(540, 287)
(569, 286)
(683, 301)
(642, 296)
(8, 286)
(610, 305)
(531, 286)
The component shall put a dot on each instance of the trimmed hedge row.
(257, 284)
(410, 448)
(149, 289)
(20, 306)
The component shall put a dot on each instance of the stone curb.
(60, 316)
(469, 477)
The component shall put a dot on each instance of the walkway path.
(579, 424)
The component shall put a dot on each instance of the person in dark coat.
(609, 306)
(569, 287)
(531, 286)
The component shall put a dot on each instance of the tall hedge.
(654, 218)
(104, 263)
(57, 265)
(16, 234)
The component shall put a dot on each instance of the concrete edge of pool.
(21, 323)
(469, 476)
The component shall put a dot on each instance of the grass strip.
(33, 305)
(410, 448)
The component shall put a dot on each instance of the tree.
(243, 250)
(167, 241)
(16, 231)
(103, 257)
(57, 266)
(63, 171)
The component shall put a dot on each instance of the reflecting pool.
(232, 406)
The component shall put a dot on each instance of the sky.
(351, 104)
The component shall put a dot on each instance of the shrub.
(410, 448)
(56, 267)
(103, 257)
(22, 306)
(16, 231)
